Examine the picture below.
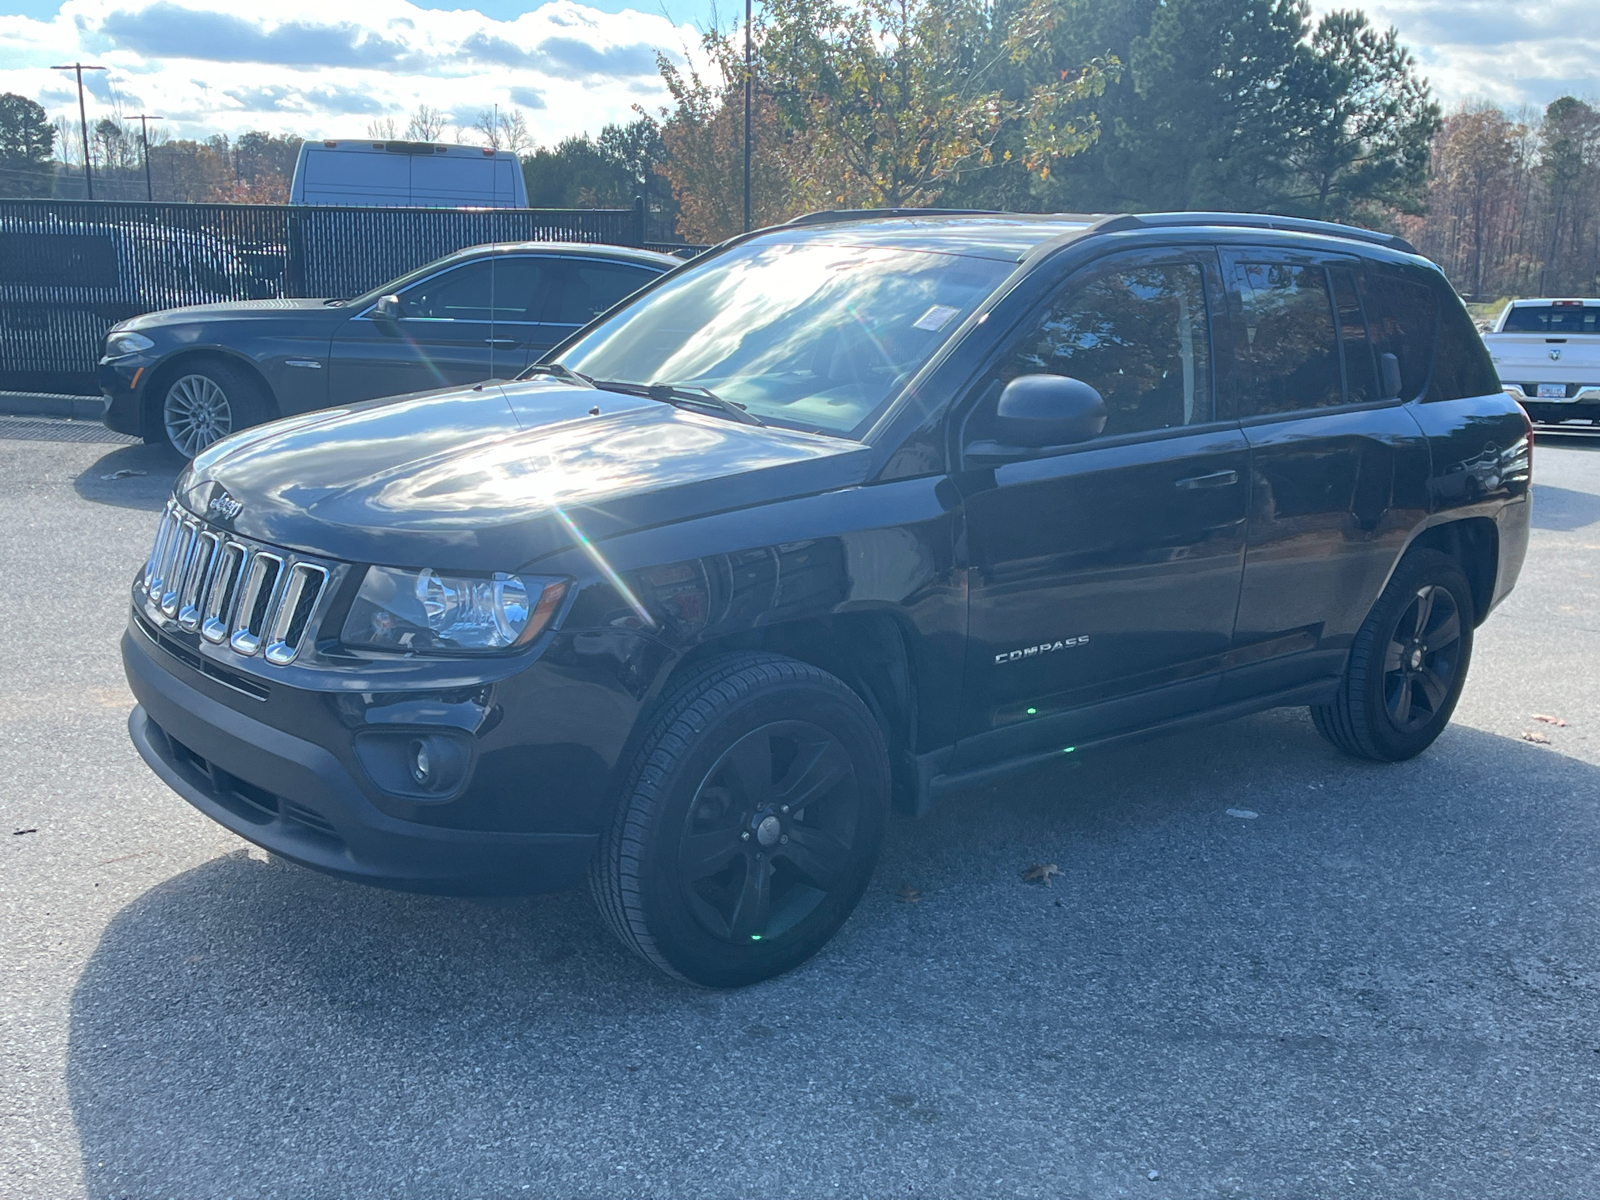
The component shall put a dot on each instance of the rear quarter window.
(1461, 364)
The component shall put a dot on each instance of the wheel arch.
(867, 650)
(164, 372)
(1474, 542)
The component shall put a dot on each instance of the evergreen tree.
(27, 142)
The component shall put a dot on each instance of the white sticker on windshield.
(936, 318)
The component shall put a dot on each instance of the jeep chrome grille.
(230, 590)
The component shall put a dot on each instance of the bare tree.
(427, 124)
(502, 130)
(383, 129)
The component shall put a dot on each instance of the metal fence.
(70, 269)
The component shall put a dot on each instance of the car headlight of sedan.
(428, 612)
(126, 341)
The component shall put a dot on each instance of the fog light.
(419, 762)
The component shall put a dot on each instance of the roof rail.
(1123, 221)
(828, 216)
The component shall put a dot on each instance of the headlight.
(432, 613)
(126, 342)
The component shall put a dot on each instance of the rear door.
(584, 288)
(1336, 467)
(1103, 577)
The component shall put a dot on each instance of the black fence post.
(638, 221)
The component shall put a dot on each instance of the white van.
(407, 175)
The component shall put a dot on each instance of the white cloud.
(1508, 53)
(317, 70)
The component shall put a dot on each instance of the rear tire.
(200, 403)
(749, 824)
(1407, 666)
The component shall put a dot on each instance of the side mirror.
(1048, 410)
(386, 309)
(1389, 367)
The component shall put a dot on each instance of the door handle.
(1214, 480)
(499, 341)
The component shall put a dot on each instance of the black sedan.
(188, 376)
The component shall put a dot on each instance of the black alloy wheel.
(1408, 664)
(1421, 660)
(768, 835)
(749, 823)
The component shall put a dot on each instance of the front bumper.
(122, 381)
(297, 799)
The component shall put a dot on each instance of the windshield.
(810, 336)
(1551, 318)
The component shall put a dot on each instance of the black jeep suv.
(849, 513)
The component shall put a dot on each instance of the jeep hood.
(497, 476)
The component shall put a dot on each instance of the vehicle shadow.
(137, 476)
(1260, 1003)
(1563, 509)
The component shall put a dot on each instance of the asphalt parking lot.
(1382, 984)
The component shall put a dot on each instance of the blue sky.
(327, 70)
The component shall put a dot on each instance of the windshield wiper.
(560, 372)
(672, 393)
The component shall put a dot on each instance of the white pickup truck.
(1548, 356)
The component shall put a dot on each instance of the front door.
(1104, 576)
(467, 323)
(1331, 458)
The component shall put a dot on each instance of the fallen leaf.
(1537, 738)
(1556, 721)
(1244, 814)
(1040, 873)
(907, 893)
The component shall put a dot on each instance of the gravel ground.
(1382, 983)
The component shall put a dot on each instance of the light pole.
(83, 119)
(747, 92)
(144, 142)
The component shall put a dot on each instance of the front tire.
(1407, 666)
(202, 403)
(749, 824)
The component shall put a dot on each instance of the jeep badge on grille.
(223, 507)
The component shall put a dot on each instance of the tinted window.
(1360, 368)
(1403, 316)
(591, 288)
(1461, 365)
(521, 283)
(464, 294)
(1557, 319)
(500, 289)
(1138, 336)
(1284, 342)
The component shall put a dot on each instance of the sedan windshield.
(811, 336)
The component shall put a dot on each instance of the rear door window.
(1286, 350)
(589, 288)
(1403, 316)
(1361, 379)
